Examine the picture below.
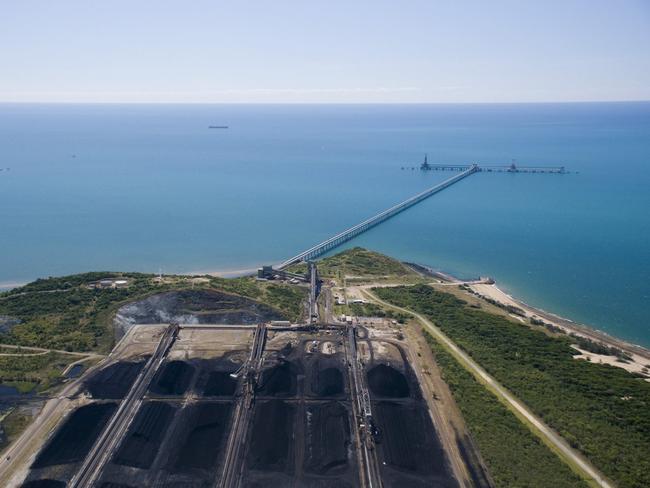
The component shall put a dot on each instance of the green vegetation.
(358, 262)
(33, 373)
(600, 410)
(289, 299)
(63, 313)
(13, 424)
(514, 456)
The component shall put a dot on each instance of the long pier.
(354, 231)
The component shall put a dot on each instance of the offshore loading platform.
(509, 168)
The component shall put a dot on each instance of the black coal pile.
(386, 381)
(219, 383)
(279, 380)
(173, 379)
(271, 445)
(206, 425)
(141, 444)
(328, 382)
(45, 483)
(328, 438)
(114, 381)
(76, 436)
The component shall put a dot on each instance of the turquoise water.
(143, 187)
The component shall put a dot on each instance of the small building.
(108, 283)
(266, 272)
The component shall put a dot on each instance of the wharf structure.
(505, 168)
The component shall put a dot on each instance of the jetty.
(463, 170)
(354, 231)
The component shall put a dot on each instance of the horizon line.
(180, 102)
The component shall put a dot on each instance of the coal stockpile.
(410, 451)
(114, 381)
(76, 436)
(195, 307)
(271, 444)
(328, 382)
(174, 379)
(219, 383)
(44, 484)
(114, 485)
(327, 438)
(206, 426)
(279, 380)
(386, 381)
(141, 444)
(325, 483)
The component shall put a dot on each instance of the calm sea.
(149, 187)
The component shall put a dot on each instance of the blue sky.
(335, 51)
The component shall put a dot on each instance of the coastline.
(639, 354)
(487, 288)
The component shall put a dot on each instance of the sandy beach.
(640, 362)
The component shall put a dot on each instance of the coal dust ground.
(408, 447)
(194, 307)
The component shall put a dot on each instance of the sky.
(363, 51)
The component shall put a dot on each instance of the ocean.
(151, 187)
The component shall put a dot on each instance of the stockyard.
(256, 403)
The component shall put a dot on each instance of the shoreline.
(637, 351)
(221, 273)
(488, 288)
(640, 355)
